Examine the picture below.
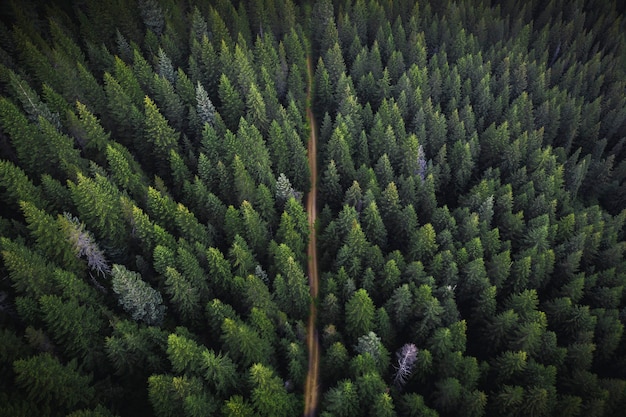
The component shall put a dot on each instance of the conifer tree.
(136, 296)
(204, 106)
(98, 204)
(169, 101)
(52, 384)
(359, 314)
(232, 103)
(269, 396)
(290, 284)
(158, 132)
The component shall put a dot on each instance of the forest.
(471, 200)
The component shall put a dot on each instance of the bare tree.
(406, 358)
(85, 245)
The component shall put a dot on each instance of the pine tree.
(169, 101)
(88, 130)
(98, 204)
(158, 132)
(75, 327)
(204, 106)
(164, 66)
(52, 384)
(152, 15)
(236, 406)
(183, 295)
(126, 78)
(126, 119)
(245, 344)
(232, 106)
(136, 296)
(384, 406)
(359, 314)
(22, 134)
(184, 354)
(269, 396)
(18, 187)
(291, 287)
(330, 186)
(342, 399)
(288, 235)
(126, 172)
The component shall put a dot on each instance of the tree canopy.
(472, 201)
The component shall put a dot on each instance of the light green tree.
(137, 297)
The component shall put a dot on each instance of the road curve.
(312, 379)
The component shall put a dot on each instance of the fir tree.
(136, 296)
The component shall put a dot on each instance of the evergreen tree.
(245, 344)
(269, 396)
(52, 384)
(232, 104)
(74, 326)
(136, 296)
(204, 106)
(158, 132)
(97, 201)
(359, 314)
(290, 284)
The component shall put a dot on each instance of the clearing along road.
(313, 345)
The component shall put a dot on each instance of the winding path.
(312, 379)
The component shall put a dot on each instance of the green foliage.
(157, 131)
(136, 296)
(269, 396)
(245, 343)
(17, 186)
(98, 205)
(470, 192)
(359, 314)
(342, 400)
(46, 381)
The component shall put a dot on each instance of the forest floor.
(312, 379)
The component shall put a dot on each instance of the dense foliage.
(472, 187)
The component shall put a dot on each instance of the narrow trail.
(312, 379)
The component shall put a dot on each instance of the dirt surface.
(312, 379)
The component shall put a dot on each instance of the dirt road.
(312, 379)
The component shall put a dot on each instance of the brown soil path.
(312, 379)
